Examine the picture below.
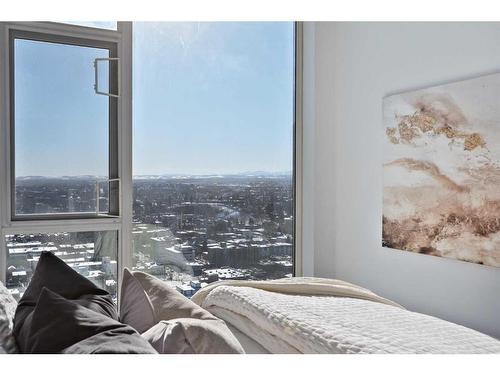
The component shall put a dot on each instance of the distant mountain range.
(165, 176)
(226, 175)
(82, 177)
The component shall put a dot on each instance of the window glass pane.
(213, 151)
(61, 128)
(92, 254)
(110, 25)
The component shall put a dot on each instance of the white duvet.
(321, 321)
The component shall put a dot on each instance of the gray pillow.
(7, 310)
(171, 322)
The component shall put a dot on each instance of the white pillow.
(8, 307)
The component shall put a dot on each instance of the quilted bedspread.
(296, 323)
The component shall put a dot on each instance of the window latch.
(96, 79)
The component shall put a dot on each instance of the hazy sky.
(208, 98)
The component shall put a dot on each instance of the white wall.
(355, 66)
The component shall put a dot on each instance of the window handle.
(96, 76)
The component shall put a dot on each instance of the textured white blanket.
(302, 286)
(324, 323)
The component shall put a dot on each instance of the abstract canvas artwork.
(441, 171)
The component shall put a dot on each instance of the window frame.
(57, 38)
(122, 223)
(297, 178)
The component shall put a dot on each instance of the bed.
(310, 315)
(313, 315)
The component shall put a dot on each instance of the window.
(64, 135)
(92, 254)
(213, 191)
(200, 188)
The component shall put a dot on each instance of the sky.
(208, 98)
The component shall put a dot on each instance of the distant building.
(176, 255)
(240, 253)
(195, 284)
(287, 226)
(212, 275)
(185, 290)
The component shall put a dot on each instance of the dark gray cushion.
(60, 325)
(62, 309)
(54, 274)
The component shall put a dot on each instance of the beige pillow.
(167, 302)
(171, 322)
(135, 307)
(192, 336)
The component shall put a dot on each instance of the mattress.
(249, 345)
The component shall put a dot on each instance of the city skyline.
(186, 231)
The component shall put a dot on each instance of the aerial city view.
(187, 230)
